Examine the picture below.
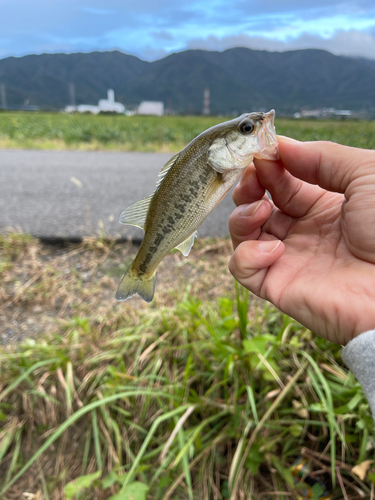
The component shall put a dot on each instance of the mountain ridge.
(240, 80)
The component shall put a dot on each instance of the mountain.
(240, 80)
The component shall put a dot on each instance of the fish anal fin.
(186, 245)
(135, 214)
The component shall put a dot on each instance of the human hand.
(311, 251)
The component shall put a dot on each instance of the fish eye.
(246, 127)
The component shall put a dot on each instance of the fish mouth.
(267, 140)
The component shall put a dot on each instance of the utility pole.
(206, 101)
(72, 94)
(3, 96)
(168, 111)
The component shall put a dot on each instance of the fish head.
(237, 142)
(254, 137)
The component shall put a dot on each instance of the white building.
(151, 108)
(109, 104)
(323, 113)
(104, 105)
(87, 108)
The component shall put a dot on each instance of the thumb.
(250, 262)
(332, 166)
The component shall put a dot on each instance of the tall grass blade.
(73, 418)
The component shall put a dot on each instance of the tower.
(206, 101)
(72, 94)
(3, 96)
(111, 96)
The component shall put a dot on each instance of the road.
(71, 194)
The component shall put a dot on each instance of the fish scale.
(191, 184)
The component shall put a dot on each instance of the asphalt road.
(71, 194)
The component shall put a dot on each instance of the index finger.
(332, 166)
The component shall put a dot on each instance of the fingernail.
(283, 138)
(249, 210)
(268, 246)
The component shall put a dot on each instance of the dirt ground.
(45, 287)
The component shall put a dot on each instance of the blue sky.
(151, 29)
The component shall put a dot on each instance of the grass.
(141, 133)
(207, 393)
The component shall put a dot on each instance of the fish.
(191, 184)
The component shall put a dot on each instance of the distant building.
(88, 108)
(109, 105)
(323, 113)
(104, 105)
(151, 108)
(343, 112)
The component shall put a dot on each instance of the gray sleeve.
(359, 356)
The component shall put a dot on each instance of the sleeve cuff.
(359, 356)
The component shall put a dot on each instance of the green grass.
(207, 393)
(166, 133)
(198, 396)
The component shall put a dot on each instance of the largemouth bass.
(190, 186)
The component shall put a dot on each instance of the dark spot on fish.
(171, 220)
(146, 260)
(159, 238)
(180, 208)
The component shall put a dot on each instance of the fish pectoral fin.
(135, 214)
(186, 245)
(217, 182)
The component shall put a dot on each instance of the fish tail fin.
(132, 283)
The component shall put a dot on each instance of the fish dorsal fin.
(163, 172)
(135, 214)
(186, 245)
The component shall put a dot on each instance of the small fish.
(190, 186)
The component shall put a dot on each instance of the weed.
(141, 133)
(202, 397)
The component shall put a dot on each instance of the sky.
(152, 29)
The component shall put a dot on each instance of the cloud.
(349, 43)
(162, 35)
(152, 29)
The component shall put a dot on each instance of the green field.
(206, 393)
(166, 133)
